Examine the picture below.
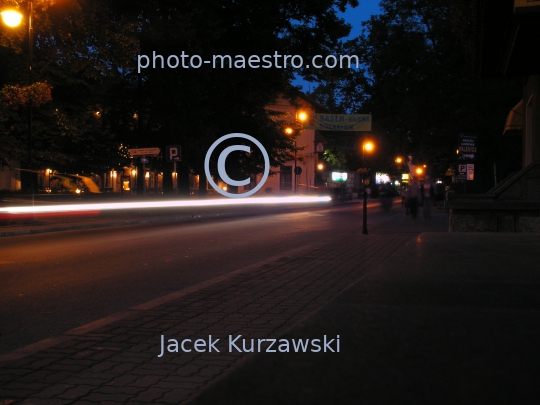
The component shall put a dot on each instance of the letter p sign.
(173, 153)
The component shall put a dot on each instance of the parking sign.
(173, 153)
(462, 171)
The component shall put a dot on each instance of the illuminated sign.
(336, 176)
(382, 178)
(405, 178)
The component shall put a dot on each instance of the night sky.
(353, 16)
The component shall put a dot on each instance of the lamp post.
(13, 19)
(369, 147)
(290, 131)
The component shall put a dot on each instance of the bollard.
(364, 224)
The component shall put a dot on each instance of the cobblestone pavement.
(118, 362)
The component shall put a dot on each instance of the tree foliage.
(420, 82)
(87, 50)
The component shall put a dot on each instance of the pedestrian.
(386, 194)
(413, 195)
(427, 192)
(404, 202)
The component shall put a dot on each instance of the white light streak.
(160, 204)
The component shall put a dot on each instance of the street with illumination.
(54, 282)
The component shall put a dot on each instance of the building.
(309, 145)
(10, 176)
(506, 47)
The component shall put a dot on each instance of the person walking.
(404, 202)
(413, 195)
(427, 197)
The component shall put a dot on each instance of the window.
(285, 178)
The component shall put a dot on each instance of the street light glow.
(289, 131)
(11, 18)
(368, 146)
(302, 116)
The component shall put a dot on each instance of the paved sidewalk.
(447, 318)
(428, 317)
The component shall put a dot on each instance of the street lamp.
(300, 118)
(369, 147)
(290, 131)
(366, 146)
(13, 19)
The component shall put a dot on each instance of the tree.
(70, 132)
(102, 102)
(420, 82)
(195, 106)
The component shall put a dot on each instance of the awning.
(514, 121)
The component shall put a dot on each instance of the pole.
(295, 177)
(363, 162)
(30, 174)
(364, 221)
(144, 177)
(175, 178)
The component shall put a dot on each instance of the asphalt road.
(54, 282)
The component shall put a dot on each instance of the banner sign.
(144, 152)
(467, 146)
(470, 171)
(341, 122)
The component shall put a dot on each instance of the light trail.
(160, 204)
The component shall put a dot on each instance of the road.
(54, 282)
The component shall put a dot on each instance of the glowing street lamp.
(11, 18)
(399, 162)
(366, 146)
